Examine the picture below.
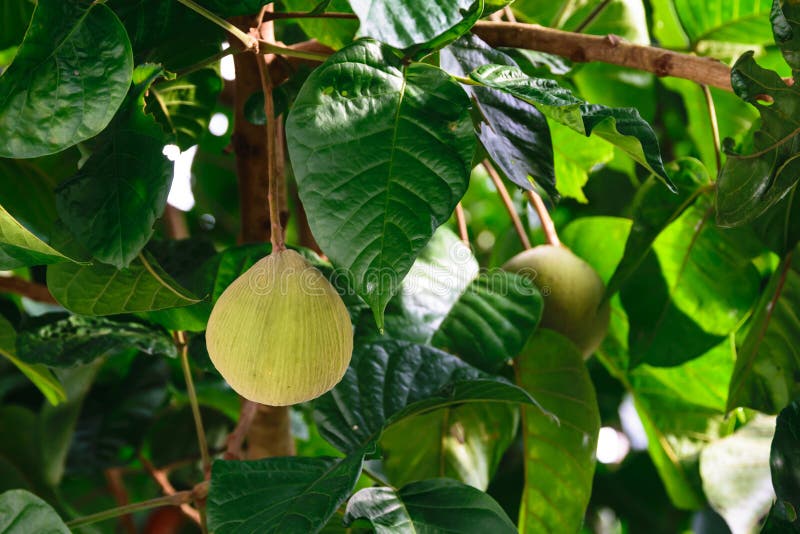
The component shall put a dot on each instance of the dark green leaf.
(785, 30)
(281, 495)
(654, 210)
(784, 461)
(231, 8)
(70, 75)
(750, 184)
(560, 448)
(183, 106)
(19, 247)
(779, 226)
(335, 33)
(14, 18)
(22, 512)
(437, 505)
(381, 153)
(514, 133)
(492, 320)
(41, 377)
(416, 25)
(114, 200)
(76, 340)
(623, 127)
(765, 377)
(389, 381)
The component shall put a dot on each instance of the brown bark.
(32, 290)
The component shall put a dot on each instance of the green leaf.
(41, 377)
(335, 33)
(716, 24)
(19, 247)
(559, 448)
(416, 25)
(279, 495)
(492, 320)
(736, 474)
(22, 512)
(183, 106)
(114, 200)
(382, 154)
(784, 461)
(103, 290)
(764, 378)
(623, 127)
(464, 443)
(70, 75)
(231, 8)
(15, 15)
(514, 133)
(575, 156)
(749, 184)
(785, 30)
(76, 340)
(654, 209)
(437, 505)
(392, 380)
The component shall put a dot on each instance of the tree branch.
(31, 290)
(609, 49)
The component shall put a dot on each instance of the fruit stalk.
(548, 226)
(507, 202)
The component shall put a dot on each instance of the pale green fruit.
(280, 334)
(572, 293)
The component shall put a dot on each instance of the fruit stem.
(462, 224)
(183, 347)
(548, 226)
(507, 202)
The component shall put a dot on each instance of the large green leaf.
(70, 75)
(559, 449)
(111, 204)
(623, 127)
(103, 290)
(769, 357)
(381, 153)
(281, 495)
(464, 442)
(183, 106)
(736, 474)
(416, 25)
(712, 25)
(22, 512)
(749, 184)
(41, 377)
(654, 209)
(514, 133)
(437, 505)
(19, 247)
(335, 33)
(392, 380)
(784, 461)
(492, 320)
(14, 17)
(76, 340)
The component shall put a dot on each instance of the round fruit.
(572, 293)
(280, 334)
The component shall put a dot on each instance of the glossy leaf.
(513, 132)
(559, 450)
(717, 23)
(391, 380)
(784, 461)
(736, 475)
(19, 247)
(291, 494)
(437, 505)
(114, 200)
(492, 320)
(623, 127)
(654, 210)
(416, 24)
(22, 512)
(785, 30)
(749, 184)
(76, 340)
(770, 355)
(70, 75)
(41, 377)
(381, 154)
(464, 443)
(183, 106)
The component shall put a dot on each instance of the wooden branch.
(609, 49)
(160, 477)
(31, 290)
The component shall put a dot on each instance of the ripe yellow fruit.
(572, 293)
(280, 334)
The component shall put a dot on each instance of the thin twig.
(166, 486)
(462, 224)
(183, 347)
(24, 288)
(712, 117)
(236, 438)
(248, 41)
(508, 203)
(592, 16)
(548, 226)
(267, 47)
(509, 14)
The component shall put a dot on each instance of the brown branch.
(236, 438)
(31, 290)
(116, 486)
(609, 49)
(548, 227)
(166, 486)
(175, 223)
(462, 224)
(508, 203)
